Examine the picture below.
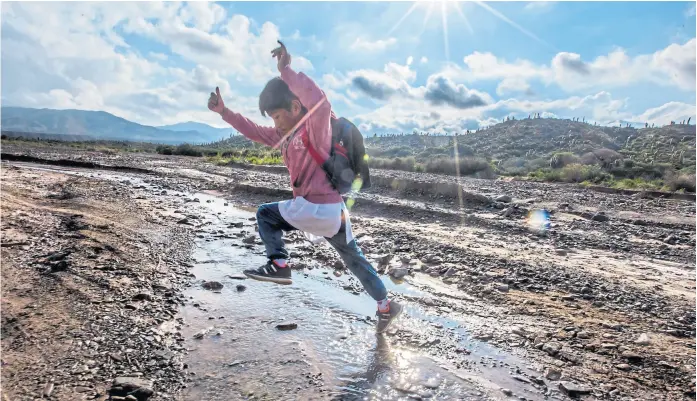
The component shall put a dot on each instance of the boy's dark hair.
(276, 95)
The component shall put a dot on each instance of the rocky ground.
(603, 301)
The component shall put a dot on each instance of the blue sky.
(391, 67)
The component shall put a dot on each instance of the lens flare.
(539, 220)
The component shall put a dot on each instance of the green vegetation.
(551, 150)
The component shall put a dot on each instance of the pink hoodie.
(313, 184)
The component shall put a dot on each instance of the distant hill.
(210, 132)
(530, 139)
(88, 125)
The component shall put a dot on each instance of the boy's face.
(284, 120)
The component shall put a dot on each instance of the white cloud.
(690, 12)
(410, 60)
(372, 46)
(673, 66)
(512, 85)
(203, 15)
(68, 55)
(424, 60)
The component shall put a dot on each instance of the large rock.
(137, 387)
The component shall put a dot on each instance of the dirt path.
(493, 309)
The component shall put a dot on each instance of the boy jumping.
(302, 114)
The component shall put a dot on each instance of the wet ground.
(493, 310)
(334, 353)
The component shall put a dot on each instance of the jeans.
(271, 227)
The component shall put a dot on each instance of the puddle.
(334, 352)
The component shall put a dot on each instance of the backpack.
(346, 161)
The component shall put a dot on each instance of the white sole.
(283, 281)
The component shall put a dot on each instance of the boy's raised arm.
(309, 94)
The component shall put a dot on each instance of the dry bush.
(676, 182)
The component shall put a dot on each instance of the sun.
(447, 7)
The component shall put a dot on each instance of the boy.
(301, 115)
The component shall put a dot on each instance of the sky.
(387, 66)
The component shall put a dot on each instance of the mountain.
(212, 133)
(90, 125)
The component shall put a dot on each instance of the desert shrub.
(399, 163)
(465, 166)
(536, 164)
(164, 150)
(561, 159)
(676, 182)
(187, 150)
(514, 166)
(589, 158)
(579, 173)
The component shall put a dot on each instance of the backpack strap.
(313, 152)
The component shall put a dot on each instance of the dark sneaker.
(385, 319)
(270, 272)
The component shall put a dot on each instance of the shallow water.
(335, 335)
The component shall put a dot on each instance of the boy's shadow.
(379, 366)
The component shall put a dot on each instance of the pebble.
(287, 326)
(212, 285)
(572, 389)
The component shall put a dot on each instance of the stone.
(250, 240)
(237, 276)
(551, 348)
(212, 285)
(399, 272)
(623, 366)
(504, 199)
(240, 287)
(139, 388)
(643, 339)
(507, 392)
(502, 287)
(522, 379)
(553, 374)
(632, 357)
(573, 389)
(450, 272)
(287, 326)
(600, 216)
(583, 335)
(200, 334)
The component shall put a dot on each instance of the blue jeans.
(272, 225)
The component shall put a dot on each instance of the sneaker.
(270, 272)
(385, 319)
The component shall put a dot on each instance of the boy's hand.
(215, 102)
(282, 55)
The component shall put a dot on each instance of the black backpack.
(346, 167)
